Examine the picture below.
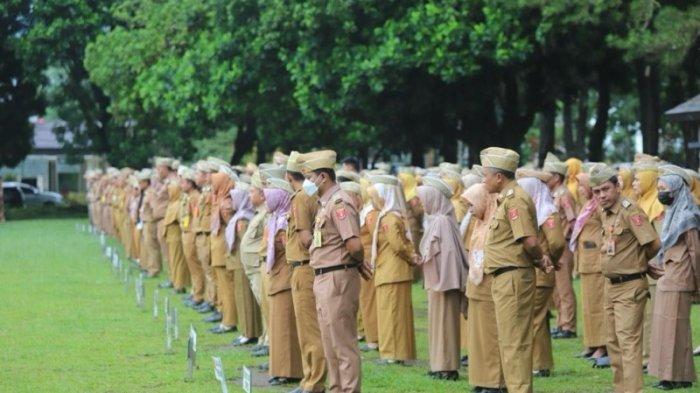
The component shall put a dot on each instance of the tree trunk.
(595, 142)
(649, 106)
(548, 117)
(245, 140)
(582, 124)
(690, 134)
(569, 140)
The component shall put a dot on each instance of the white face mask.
(310, 188)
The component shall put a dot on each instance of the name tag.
(318, 241)
(610, 247)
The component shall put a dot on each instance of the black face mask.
(665, 197)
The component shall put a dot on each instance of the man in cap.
(188, 203)
(336, 256)
(150, 250)
(512, 249)
(564, 296)
(299, 227)
(629, 242)
(166, 172)
(201, 224)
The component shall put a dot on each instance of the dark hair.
(507, 174)
(342, 179)
(614, 180)
(327, 171)
(193, 184)
(296, 176)
(352, 161)
(560, 176)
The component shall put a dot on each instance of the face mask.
(310, 188)
(665, 197)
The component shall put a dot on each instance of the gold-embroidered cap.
(439, 184)
(322, 159)
(600, 173)
(500, 158)
(669, 169)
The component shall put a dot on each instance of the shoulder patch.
(626, 204)
(341, 213)
(513, 214)
(549, 223)
(637, 220)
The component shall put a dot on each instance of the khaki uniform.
(188, 203)
(150, 250)
(484, 356)
(626, 230)
(220, 257)
(552, 243)
(177, 270)
(463, 323)
(249, 319)
(657, 223)
(513, 291)
(565, 297)
(250, 244)
(337, 292)
(588, 247)
(301, 217)
(393, 276)
(202, 227)
(285, 355)
(671, 348)
(159, 204)
(368, 292)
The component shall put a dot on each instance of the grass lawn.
(68, 324)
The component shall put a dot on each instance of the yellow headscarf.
(627, 178)
(573, 168)
(409, 184)
(648, 199)
(695, 190)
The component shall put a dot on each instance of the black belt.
(626, 277)
(202, 233)
(502, 270)
(324, 270)
(297, 264)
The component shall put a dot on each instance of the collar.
(506, 190)
(614, 209)
(329, 194)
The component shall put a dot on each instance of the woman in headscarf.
(179, 275)
(626, 178)
(485, 371)
(221, 212)
(552, 242)
(368, 292)
(465, 229)
(415, 218)
(671, 358)
(392, 256)
(646, 174)
(285, 354)
(444, 270)
(573, 168)
(586, 242)
(249, 319)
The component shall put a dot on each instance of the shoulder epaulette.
(510, 193)
(626, 204)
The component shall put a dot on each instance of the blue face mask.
(310, 188)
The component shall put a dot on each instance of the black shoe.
(264, 367)
(240, 341)
(585, 354)
(265, 351)
(180, 291)
(554, 331)
(669, 385)
(542, 374)
(192, 304)
(165, 284)
(213, 318)
(564, 334)
(601, 362)
(205, 308)
(448, 375)
(277, 381)
(464, 361)
(221, 329)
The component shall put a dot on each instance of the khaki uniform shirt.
(253, 237)
(515, 218)
(159, 202)
(202, 213)
(588, 246)
(187, 206)
(552, 243)
(682, 265)
(566, 206)
(336, 221)
(146, 214)
(394, 252)
(626, 229)
(301, 217)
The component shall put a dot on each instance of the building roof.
(687, 111)
(45, 140)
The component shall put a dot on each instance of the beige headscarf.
(483, 208)
(444, 259)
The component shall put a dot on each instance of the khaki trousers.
(224, 284)
(152, 248)
(180, 275)
(189, 248)
(542, 358)
(204, 255)
(565, 299)
(484, 358)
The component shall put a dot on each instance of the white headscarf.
(544, 203)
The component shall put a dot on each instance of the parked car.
(19, 194)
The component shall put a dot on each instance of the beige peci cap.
(554, 165)
(500, 158)
(317, 160)
(292, 164)
(600, 173)
(282, 184)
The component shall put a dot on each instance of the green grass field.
(67, 324)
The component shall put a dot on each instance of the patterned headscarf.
(278, 203)
(240, 200)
